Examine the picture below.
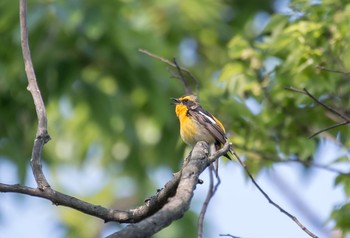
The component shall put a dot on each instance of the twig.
(270, 157)
(211, 192)
(183, 79)
(309, 164)
(326, 106)
(329, 128)
(332, 70)
(183, 69)
(334, 111)
(161, 59)
(270, 200)
(228, 235)
(294, 90)
(42, 135)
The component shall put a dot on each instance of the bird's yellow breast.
(191, 131)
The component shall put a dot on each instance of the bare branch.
(168, 62)
(179, 204)
(319, 166)
(270, 200)
(157, 205)
(228, 235)
(180, 70)
(329, 128)
(211, 192)
(332, 70)
(271, 157)
(151, 205)
(334, 111)
(188, 91)
(308, 164)
(326, 106)
(295, 90)
(42, 135)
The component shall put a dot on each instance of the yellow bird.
(196, 124)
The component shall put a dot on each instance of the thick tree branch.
(152, 205)
(179, 204)
(129, 216)
(42, 135)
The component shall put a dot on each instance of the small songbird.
(196, 124)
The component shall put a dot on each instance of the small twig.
(211, 192)
(270, 200)
(228, 235)
(180, 69)
(334, 111)
(332, 70)
(161, 59)
(42, 135)
(326, 106)
(270, 157)
(309, 164)
(188, 91)
(294, 90)
(329, 128)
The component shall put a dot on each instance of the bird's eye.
(185, 100)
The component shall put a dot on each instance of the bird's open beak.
(175, 101)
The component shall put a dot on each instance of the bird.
(197, 124)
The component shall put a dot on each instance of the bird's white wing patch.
(208, 117)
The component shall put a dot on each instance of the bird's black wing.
(209, 123)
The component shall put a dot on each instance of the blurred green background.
(109, 113)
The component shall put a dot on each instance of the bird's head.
(188, 101)
(184, 103)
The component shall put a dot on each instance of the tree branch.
(329, 128)
(211, 192)
(179, 204)
(306, 163)
(326, 106)
(153, 205)
(332, 70)
(334, 111)
(229, 235)
(42, 135)
(188, 90)
(270, 200)
(180, 70)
